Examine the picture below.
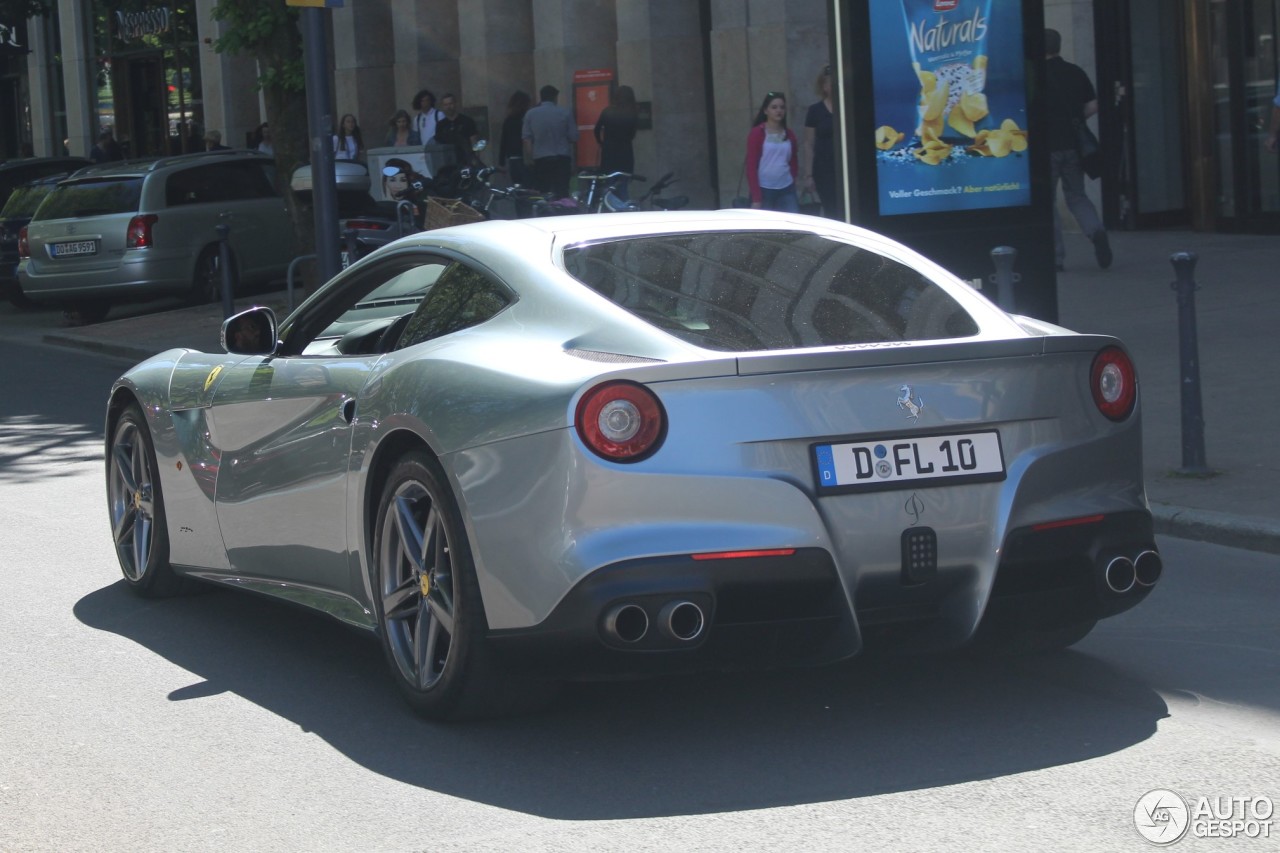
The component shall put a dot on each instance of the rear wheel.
(427, 599)
(17, 298)
(136, 506)
(206, 285)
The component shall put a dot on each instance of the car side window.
(462, 297)
(358, 317)
(218, 182)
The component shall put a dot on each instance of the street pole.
(324, 193)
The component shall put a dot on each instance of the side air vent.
(610, 357)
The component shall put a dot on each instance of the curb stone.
(1218, 528)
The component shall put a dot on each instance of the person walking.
(457, 129)
(106, 149)
(511, 145)
(549, 134)
(1071, 100)
(615, 131)
(401, 132)
(213, 141)
(772, 159)
(263, 137)
(348, 143)
(818, 169)
(426, 116)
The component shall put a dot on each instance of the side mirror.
(251, 332)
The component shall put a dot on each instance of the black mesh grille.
(919, 554)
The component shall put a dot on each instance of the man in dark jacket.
(1071, 100)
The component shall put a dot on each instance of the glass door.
(1157, 107)
(1262, 167)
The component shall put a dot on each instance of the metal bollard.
(1005, 278)
(1193, 461)
(224, 261)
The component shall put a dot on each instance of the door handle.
(349, 411)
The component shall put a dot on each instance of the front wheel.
(136, 506)
(427, 599)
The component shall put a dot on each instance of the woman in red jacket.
(772, 163)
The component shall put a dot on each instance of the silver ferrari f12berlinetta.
(528, 451)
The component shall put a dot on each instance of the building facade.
(1183, 120)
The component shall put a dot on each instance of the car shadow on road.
(680, 745)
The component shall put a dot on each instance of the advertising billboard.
(950, 94)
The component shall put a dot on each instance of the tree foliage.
(16, 11)
(268, 31)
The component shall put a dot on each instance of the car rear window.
(767, 290)
(93, 197)
(24, 201)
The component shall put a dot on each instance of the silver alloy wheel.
(417, 585)
(131, 499)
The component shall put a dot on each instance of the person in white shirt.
(426, 115)
(771, 162)
(347, 142)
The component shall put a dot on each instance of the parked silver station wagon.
(128, 231)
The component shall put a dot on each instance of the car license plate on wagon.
(902, 463)
(80, 247)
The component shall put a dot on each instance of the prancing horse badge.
(910, 403)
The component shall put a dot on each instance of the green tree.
(268, 31)
(14, 11)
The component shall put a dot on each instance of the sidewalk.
(1238, 318)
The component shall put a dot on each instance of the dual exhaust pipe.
(679, 620)
(1122, 574)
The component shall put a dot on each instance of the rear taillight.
(139, 234)
(1114, 383)
(24, 248)
(621, 421)
(366, 225)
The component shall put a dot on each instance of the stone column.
(228, 84)
(364, 78)
(496, 39)
(425, 35)
(571, 35)
(77, 75)
(44, 139)
(759, 46)
(660, 55)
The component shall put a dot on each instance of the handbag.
(1089, 148)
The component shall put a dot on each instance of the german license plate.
(901, 463)
(80, 247)
(346, 260)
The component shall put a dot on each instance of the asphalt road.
(224, 722)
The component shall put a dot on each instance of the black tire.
(136, 507)
(85, 313)
(206, 283)
(435, 641)
(18, 299)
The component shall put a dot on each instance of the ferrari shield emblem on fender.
(910, 403)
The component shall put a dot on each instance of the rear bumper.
(137, 275)
(793, 610)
